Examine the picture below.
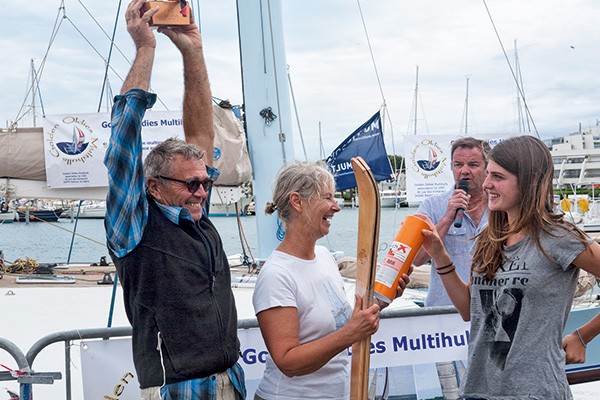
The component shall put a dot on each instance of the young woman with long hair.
(524, 273)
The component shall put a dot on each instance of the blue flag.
(367, 142)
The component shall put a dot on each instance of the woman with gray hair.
(299, 300)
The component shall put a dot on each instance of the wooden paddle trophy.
(366, 262)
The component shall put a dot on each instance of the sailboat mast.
(523, 117)
(416, 98)
(321, 148)
(33, 87)
(519, 109)
(267, 107)
(467, 107)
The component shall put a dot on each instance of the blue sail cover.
(367, 142)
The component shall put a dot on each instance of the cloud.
(330, 62)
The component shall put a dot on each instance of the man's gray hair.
(159, 160)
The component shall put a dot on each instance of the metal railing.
(26, 377)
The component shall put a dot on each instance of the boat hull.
(7, 217)
(40, 215)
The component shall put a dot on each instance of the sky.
(338, 80)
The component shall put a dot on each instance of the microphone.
(460, 213)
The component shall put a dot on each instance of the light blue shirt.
(458, 242)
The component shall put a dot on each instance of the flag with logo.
(366, 142)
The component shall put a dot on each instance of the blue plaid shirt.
(204, 388)
(127, 214)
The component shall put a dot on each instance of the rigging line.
(74, 230)
(296, 112)
(384, 114)
(103, 59)
(31, 217)
(55, 29)
(370, 50)
(106, 61)
(54, 34)
(112, 44)
(118, 49)
(92, 46)
(522, 121)
(244, 242)
(282, 137)
(362, 18)
(511, 69)
(20, 113)
(39, 91)
(105, 33)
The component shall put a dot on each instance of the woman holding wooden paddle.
(523, 276)
(299, 299)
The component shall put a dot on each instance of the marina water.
(55, 243)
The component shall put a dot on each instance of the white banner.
(429, 165)
(107, 370)
(75, 145)
(400, 349)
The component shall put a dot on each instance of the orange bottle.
(399, 258)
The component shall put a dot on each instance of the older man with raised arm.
(169, 256)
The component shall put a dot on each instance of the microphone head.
(463, 185)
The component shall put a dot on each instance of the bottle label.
(397, 254)
(386, 275)
(392, 263)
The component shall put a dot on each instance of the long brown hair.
(530, 161)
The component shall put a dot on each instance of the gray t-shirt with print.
(517, 322)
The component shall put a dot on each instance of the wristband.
(580, 338)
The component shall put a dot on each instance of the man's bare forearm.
(141, 71)
(197, 104)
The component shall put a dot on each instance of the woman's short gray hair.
(306, 178)
(159, 160)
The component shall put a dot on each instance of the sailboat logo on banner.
(427, 158)
(431, 163)
(367, 142)
(69, 139)
(75, 146)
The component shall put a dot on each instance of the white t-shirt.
(316, 289)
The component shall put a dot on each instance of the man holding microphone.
(458, 214)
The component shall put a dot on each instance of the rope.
(282, 137)
(67, 230)
(93, 48)
(74, 230)
(511, 70)
(384, 105)
(244, 242)
(55, 29)
(112, 45)
(296, 113)
(26, 266)
(103, 31)
(39, 91)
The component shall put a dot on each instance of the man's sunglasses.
(193, 184)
